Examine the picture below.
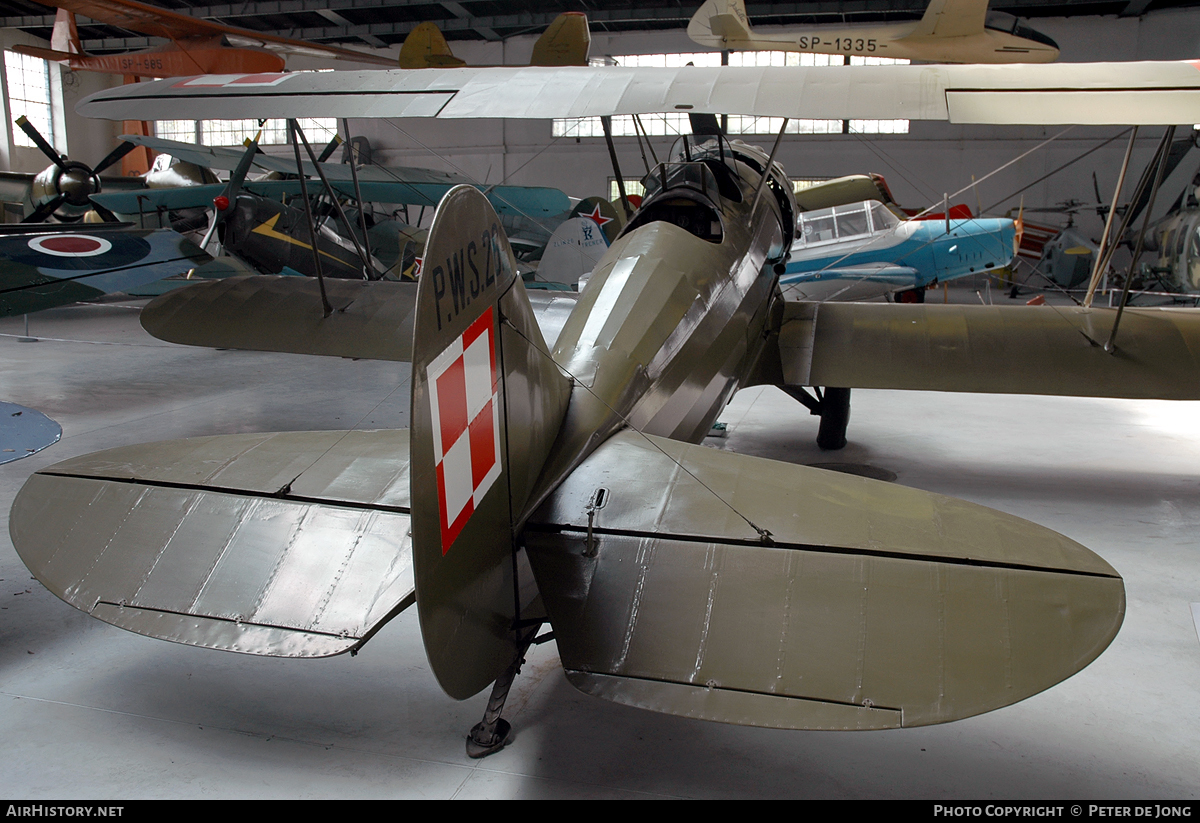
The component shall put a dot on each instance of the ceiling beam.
(460, 11)
(462, 14)
(337, 19)
(1135, 8)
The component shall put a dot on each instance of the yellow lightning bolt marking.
(267, 229)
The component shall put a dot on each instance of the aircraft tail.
(425, 47)
(477, 448)
(65, 36)
(952, 18)
(720, 24)
(64, 41)
(566, 43)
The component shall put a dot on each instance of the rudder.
(477, 449)
(425, 47)
(565, 43)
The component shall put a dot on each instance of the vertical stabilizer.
(477, 448)
(720, 24)
(65, 36)
(566, 43)
(952, 18)
(425, 47)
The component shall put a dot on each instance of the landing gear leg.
(835, 417)
(832, 405)
(490, 735)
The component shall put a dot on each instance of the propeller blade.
(114, 155)
(238, 177)
(40, 142)
(105, 215)
(330, 148)
(43, 211)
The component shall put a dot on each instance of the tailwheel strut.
(491, 734)
(832, 405)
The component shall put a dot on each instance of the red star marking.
(597, 217)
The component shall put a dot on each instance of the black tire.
(835, 417)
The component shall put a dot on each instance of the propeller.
(67, 183)
(223, 203)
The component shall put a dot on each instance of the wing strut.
(762, 183)
(1164, 150)
(368, 269)
(352, 155)
(293, 127)
(1102, 253)
(612, 153)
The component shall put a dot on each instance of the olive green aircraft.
(563, 482)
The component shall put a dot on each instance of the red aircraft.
(196, 46)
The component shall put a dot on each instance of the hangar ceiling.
(387, 22)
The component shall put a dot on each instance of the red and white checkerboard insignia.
(465, 406)
(220, 81)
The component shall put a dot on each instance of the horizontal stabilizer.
(371, 319)
(44, 54)
(288, 545)
(1000, 349)
(869, 606)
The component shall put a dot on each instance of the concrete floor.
(90, 711)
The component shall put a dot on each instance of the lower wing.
(46, 267)
(849, 283)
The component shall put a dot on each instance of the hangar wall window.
(659, 125)
(632, 187)
(318, 130)
(29, 94)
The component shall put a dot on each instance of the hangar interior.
(95, 712)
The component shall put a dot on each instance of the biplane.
(563, 483)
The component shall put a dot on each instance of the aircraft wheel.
(835, 417)
(910, 296)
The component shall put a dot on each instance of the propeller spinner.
(65, 188)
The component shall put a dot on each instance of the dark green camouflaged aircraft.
(563, 482)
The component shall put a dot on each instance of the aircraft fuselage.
(912, 254)
(672, 320)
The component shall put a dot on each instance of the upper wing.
(290, 545)
(1004, 349)
(172, 25)
(1084, 93)
(378, 184)
(869, 606)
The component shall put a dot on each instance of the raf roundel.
(464, 401)
(69, 245)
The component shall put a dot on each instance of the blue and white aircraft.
(860, 251)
